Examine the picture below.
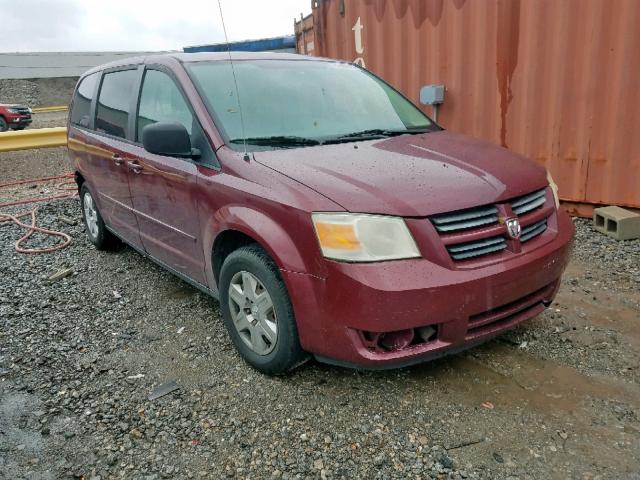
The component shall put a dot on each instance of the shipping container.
(555, 80)
(304, 35)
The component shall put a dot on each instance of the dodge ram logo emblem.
(513, 227)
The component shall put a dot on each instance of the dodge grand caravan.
(327, 213)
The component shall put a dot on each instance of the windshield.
(303, 102)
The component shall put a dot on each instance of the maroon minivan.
(327, 213)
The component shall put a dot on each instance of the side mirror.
(168, 138)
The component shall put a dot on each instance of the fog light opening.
(427, 333)
(370, 339)
(398, 339)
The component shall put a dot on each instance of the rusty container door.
(555, 80)
(305, 35)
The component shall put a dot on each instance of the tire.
(285, 353)
(97, 233)
(3, 125)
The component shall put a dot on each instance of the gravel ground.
(49, 119)
(24, 92)
(34, 164)
(38, 92)
(558, 397)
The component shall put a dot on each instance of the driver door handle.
(134, 167)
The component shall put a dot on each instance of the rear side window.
(81, 109)
(161, 101)
(112, 115)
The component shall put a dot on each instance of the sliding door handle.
(134, 167)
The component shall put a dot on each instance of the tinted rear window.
(112, 115)
(81, 109)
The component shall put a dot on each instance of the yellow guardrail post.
(57, 108)
(36, 138)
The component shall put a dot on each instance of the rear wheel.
(257, 312)
(98, 234)
(3, 125)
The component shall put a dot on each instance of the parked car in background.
(14, 117)
(327, 213)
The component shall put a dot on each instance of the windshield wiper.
(294, 141)
(373, 134)
(277, 141)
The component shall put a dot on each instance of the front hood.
(409, 175)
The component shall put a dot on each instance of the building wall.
(56, 64)
(556, 80)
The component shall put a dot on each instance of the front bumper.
(19, 120)
(339, 315)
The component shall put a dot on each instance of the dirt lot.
(33, 164)
(557, 398)
(49, 119)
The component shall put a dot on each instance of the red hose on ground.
(36, 180)
(36, 200)
(33, 228)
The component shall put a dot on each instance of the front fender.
(300, 255)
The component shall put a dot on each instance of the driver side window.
(161, 101)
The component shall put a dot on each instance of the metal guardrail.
(36, 138)
(57, 108)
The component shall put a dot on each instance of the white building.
(56, 64)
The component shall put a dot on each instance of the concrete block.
(617, 222)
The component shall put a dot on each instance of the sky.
(139, 25)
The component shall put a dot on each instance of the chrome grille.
(529, 202)
(533, 230)
(20, 110)
(474, 217)
(462, 251)
(481, 224)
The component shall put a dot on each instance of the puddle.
(516, 379)
(558, 406)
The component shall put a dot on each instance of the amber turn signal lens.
(338, 236)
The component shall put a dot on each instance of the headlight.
(13, 110)
(554, 189)
(363, 238)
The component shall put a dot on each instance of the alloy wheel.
(252, 312)
(90, 215)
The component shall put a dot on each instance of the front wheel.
(3, 125)
(257, 312)
(98, 234)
